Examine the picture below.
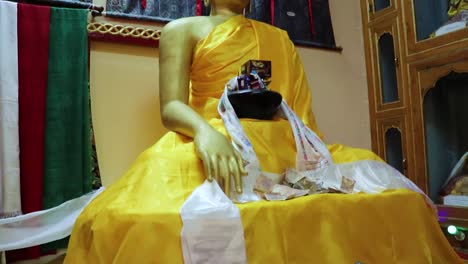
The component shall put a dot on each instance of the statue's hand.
(220, 159)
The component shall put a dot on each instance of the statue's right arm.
(176, 46)
(175, 58)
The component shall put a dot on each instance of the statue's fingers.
(215, 167)
(207, 166)
(236, 174)
(227, 179)
(240, 163)
(223, 171)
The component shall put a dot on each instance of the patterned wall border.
(124, 34)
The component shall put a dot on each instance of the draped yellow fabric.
(136, 220)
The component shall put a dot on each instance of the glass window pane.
(388, 75)
(381, 4)
(429, 16)
(446, 128)
(394, 149)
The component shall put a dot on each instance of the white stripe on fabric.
(10, 199)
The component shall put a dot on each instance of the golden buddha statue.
(137, 219)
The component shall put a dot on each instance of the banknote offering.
(290, 192)
(306, 184)
(292, 184)
(298, 180)
(292, 176)
(282, 192)
(347, 184)
(275, 197)
(264, 184)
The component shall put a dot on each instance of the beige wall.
(125, 105)
(338, 81)
(124, 83)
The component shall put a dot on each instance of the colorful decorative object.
(307, 22)
(158, 10)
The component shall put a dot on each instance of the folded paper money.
(263, 184)
(294, 184)
(347, 184)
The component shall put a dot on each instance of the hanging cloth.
(199, 7)
(311, 18)
(10, 200)
(304, 20)
(67, 162)
(67, 167)
(33, 50)
(33, 44)
(272, 11)
(296, 17)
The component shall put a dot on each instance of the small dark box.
(262, 68)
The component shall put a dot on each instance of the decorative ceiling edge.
(124, 34)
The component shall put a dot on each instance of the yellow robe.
(136, 220)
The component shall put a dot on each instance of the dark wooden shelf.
(457, 216)
(453, 215)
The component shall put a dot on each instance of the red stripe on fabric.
(272, 11)
(199, 6)
(311, 19)
(143, 4)
(33, 56)
(33, 52)
(23, 254)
